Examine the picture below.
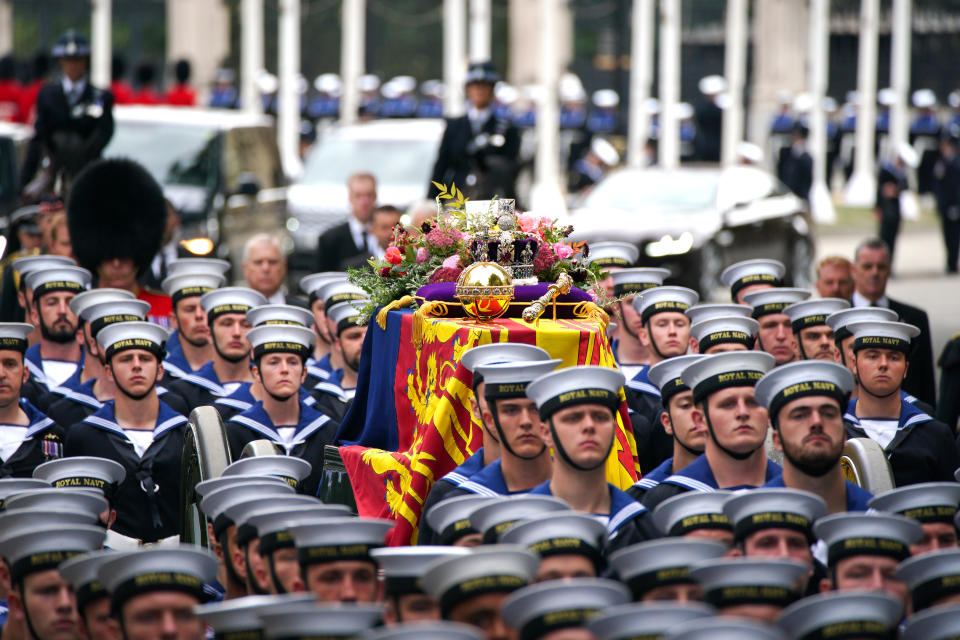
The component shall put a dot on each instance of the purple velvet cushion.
(444, 291)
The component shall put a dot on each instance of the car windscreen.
(178, 154)
(393, 162)
(654, 190)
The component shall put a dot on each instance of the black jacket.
(482, 165)
(73, 136)
(336, 250)
(948, 411)
(43, 442)
(920, 381)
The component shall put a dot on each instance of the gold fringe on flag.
(420, 317)
(591, 311)
(405, 301)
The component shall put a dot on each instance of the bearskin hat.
(115, 210)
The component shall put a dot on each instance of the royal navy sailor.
(541, 611)
(189, 347)
(775, 335)
(814, 336)
(752, 275)
(933, 504)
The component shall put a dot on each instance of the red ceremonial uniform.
(182, 95)
(160, 306)
(122, 92)
(10, 91)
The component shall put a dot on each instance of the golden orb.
(485, 290)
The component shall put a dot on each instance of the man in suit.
(478, 151)
(265, 267)
(351, 241)
(74, 119)
(795, 165)
(871, 270)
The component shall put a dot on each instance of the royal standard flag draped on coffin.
(412, 422)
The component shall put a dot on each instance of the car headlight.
(667, 245)
(198, 246)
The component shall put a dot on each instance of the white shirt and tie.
(363, 239)
(73, 90)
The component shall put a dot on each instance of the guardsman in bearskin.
(116, 214)
(74, 121)
(229, 370)
(137, 430)
(282, 416)
(27, 437)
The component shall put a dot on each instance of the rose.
(452, 262)
(394, 256)
(562, 250)
(528, 222)
(422, 255)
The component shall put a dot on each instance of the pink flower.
(422, 255)
(562, 250)
(443, 237)
(545, 259)
(528, 222)
(394, 256)
(445, 274)
(452, 262)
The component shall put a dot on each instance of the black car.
(696, 221)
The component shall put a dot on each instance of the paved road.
(919, 277)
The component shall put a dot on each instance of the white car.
(399, 153)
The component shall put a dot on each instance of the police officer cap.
(663, 299)
(81, 572)
(311, 284)
(692, 511)
(659, 563)
(863, 616)
(812, 313)
(184, 568)
(482, 72)
(931, 576)
(725, 330)
(71, 44)
(245, 614)
(331, 619)
(924, 502)
(510, 379)
(615, 254)
(345, 314)
(209, 266)
(750, 272)
(242, 512)
(12, 486)
(724, 370)
(273, 314)
(939, 623)
(539, 609)
(336, 291)
(795, 380)
(89, 500)
(765, 302)
(606, 98)
(450, 518)
(207, 487)
(123, 336)
(281, 338)
(488, 569)
(290, 468)
(499, 352)
(867, 534)
(561, 533)
(628, 282)
(438, 630)
(710, 310)
(492, 519)
(82, 472)
(61, 278)
(650, 620)
(883, 335)
(336, 539)
(215, 503)
(839, 320)
(104, 314)
(191, 283)
(403, 567)
(667, 375)
(712, 85)
(752, 511)
(721, 628)
(230, 300)
(86, 299)
(30, 549)
(733, 581)
(574, 386)
(13, 336)
(923, 98)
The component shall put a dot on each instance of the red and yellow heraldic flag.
(436, 430)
